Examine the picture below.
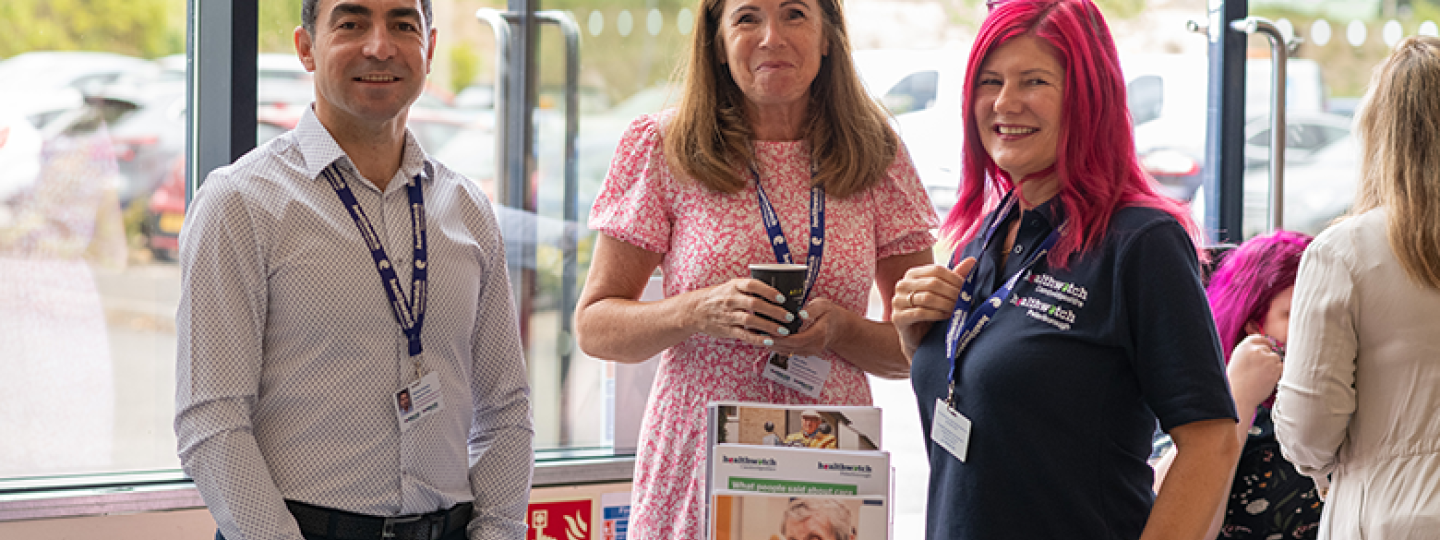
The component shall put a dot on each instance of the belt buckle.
(387, 530)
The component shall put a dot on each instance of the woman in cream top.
(1357, 404)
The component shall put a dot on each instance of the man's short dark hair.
(308, 14)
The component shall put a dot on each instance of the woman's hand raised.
(1254, 371)
(926, 294)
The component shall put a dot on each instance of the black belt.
(341, 525)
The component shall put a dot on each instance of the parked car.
(147, 129)
(924, 90)
(905, 80)
(165, 214)
(165, 206)
(20, 146)
(56, 81)
(1168, 93)
(1320, 181)
(1322, 172)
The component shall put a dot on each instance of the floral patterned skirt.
(1269, 499)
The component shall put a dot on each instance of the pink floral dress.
(708, 238)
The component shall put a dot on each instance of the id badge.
(950, 430)
(804, 374)
(420, 399)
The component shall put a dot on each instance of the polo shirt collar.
(1051, 210)
(319, 150)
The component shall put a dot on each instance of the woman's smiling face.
(773, 49)
(1019, 92)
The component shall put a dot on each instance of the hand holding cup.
(789, 279)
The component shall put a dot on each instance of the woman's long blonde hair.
(851, 143)
(1398, 126)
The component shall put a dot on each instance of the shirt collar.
(319, 150)
(1051, 210)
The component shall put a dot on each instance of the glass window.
(1146, 95)
(87, 336)
(629, 49)
(92, 193)
(1337, 46)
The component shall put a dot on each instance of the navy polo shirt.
(1065, 384)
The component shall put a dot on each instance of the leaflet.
(745, 516)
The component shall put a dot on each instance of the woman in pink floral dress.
(771, 100)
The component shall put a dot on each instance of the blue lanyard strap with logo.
(410, 316)
(777, 236)
(965, 325)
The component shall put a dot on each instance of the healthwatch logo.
(844, 467)
(745, 460)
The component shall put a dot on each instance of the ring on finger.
(911, 299)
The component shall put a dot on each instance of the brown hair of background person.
(1399, 131)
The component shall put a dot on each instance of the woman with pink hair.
(1250, 295)
(1072, 315)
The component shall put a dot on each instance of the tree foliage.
(1347, 68)
(277, 22)
(145, 28)
(630, 62)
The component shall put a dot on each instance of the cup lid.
(778, 267)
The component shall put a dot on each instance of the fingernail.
(783, 331)
(769, 342)
(804, 314)
(789, 317)
(779, 299)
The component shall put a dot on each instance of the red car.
(165, 213)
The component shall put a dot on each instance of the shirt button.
(1019, 249)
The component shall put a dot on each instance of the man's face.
(810, 423)
(405, 401)
(811, 528)
(370, 59)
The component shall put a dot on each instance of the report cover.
(761, 516)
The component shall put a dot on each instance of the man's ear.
(303, 48)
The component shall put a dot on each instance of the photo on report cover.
(823, 427)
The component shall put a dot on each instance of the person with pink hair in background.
(1071, 317)
(1250, 295)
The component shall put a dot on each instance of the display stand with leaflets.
(773, 467)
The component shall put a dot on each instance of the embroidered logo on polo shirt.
(1043, 311)
(1063, 291)
(1061, 300)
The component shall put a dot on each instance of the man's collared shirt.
(290, 357)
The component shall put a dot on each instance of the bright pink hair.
(1098, 170)
(1248, 279)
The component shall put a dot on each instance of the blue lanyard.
(777, 236)
(966, 325)
(411, 316)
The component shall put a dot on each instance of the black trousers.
(456, 535)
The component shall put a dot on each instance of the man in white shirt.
(329, 273)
